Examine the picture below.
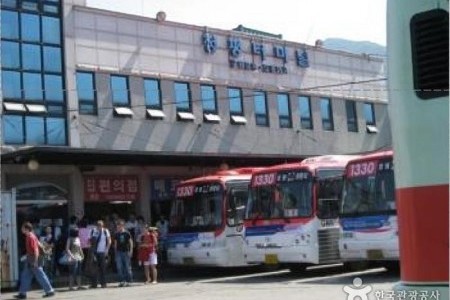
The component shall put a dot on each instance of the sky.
(303, 21)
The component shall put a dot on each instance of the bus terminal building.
(105, 112)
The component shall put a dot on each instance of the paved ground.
(237, 284)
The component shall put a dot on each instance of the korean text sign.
(101, 188)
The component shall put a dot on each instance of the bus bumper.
(369, 250)
(209, 257)
(286, 255)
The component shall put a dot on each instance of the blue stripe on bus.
(361, 223)
(182, 238)
(264, 230)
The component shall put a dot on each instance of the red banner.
(101, 188)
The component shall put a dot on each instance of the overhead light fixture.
(33, 164)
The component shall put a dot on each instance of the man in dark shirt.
(123, 244)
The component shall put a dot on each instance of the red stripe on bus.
(423, 215)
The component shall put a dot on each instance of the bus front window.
(370, 194)
(200, 212)
(290, 197)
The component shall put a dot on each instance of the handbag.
(66, 259)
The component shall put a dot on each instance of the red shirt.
(32, 244)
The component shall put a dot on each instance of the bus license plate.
(271, 259)
(188, 260)
(375, 254)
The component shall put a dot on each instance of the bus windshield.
(200, 211)
(291, 196)
(371, 193)
(329, 191)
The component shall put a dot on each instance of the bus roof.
(224, 176)
(373, 156)
(312, 163)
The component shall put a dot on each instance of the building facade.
(105, 112)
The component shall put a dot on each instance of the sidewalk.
(61, 282)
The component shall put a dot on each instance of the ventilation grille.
(328, 246)
(429, 41)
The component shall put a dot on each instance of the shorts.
(152, 260)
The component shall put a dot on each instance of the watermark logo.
(357, 291)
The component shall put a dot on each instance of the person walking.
(123, 246)
(32, 267)
(100, 243)
(48, 245)
(75, 252)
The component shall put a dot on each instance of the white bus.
(368, 217)
(206, 222)
(292, 213)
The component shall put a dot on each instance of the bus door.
(236, 196)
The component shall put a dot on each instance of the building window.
(304, 105)
(369, 114)
(32, 86)
(352, 120)
(9, 3)
(32, 78)
(11, 86)
(55, 130)
(327, 114)
(30, 5)
(119, 90)
(261, 113)
(53, 88)
(209, 103)
(10, 24)
(284, 111)
(183, 97)
(10, 55)
(52, 59)
(13, 129)
(208, 96)
(235, 98)
(51, 30)
(35, 130)
(31, 57)
(86, 93)
(30, 28)
(152, 93)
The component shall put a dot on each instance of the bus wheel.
(298, 269)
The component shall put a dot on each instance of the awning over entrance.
(87, 157)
